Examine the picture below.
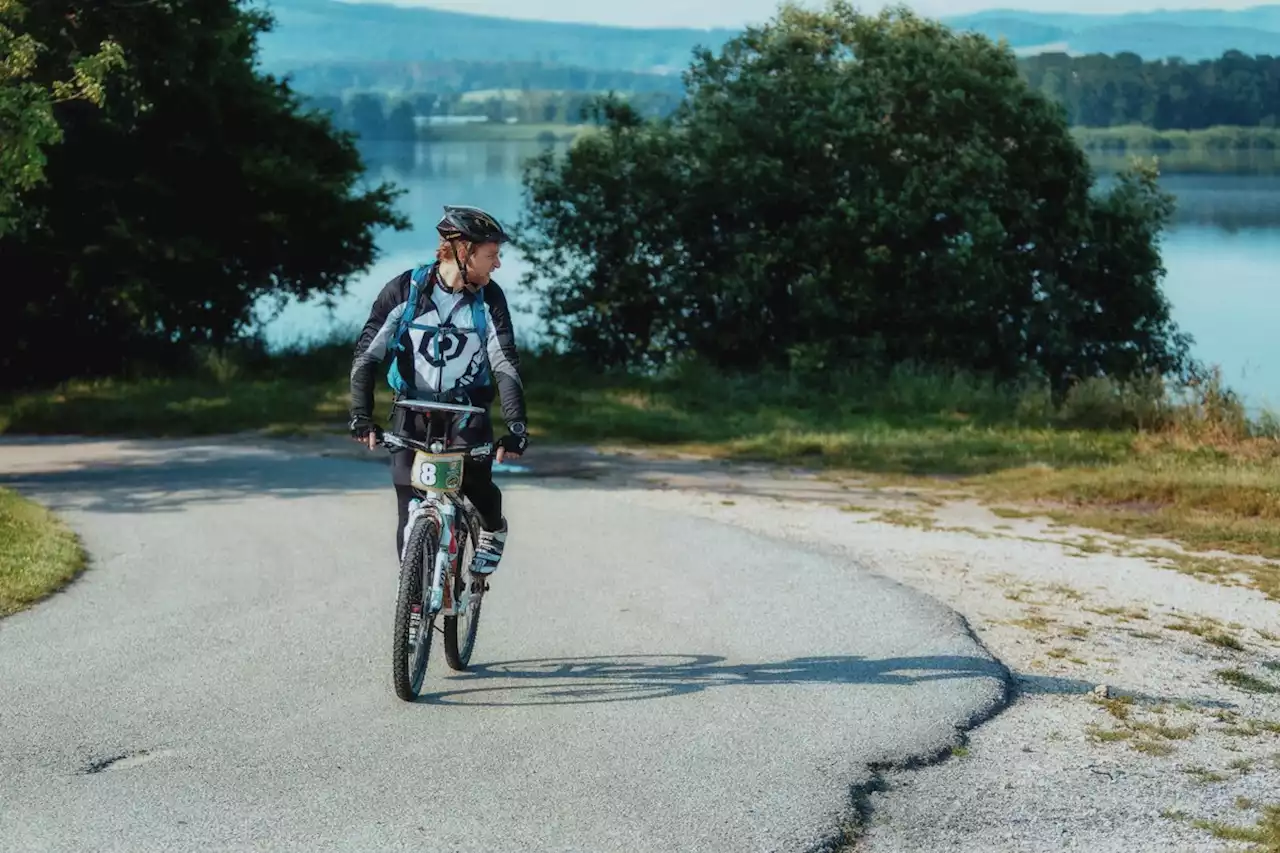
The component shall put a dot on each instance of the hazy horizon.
(739, 13)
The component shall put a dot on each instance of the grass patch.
(906, 518)
(1007, 512)
(1264, 835)
(1242, 680)
(1204, 775)
(1163, 731)
(1065, 591)
(1146, 737)
(1109, 735)
(1034, 622)
(1249, 728)
(1225, 641)
(296, 391)
(38, 554)
(1120, 707)
(1126, 459)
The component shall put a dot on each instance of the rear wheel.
(414, 625)
(458, 654)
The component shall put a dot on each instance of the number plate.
(437, 472)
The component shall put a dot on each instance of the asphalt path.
(220, 677)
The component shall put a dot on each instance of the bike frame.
(446, 506)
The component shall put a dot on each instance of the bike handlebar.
(389, 441)
(429, 406)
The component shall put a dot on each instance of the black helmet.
(471, 224)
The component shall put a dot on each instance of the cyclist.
(454, 345)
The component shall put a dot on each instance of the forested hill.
(323, 31)
(310, 32)
(1191, 34)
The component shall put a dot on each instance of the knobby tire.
(416, 569)
(458, 655)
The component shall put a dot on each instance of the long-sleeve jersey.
(452, 359)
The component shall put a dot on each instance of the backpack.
(478, 318)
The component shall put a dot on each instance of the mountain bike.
(440, 542)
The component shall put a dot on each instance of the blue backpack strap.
(411, 305)
(479, 319)
(419, 275)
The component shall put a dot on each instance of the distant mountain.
(309, 32)
(327, 42)
(1192, 34)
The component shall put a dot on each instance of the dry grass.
(1208, 498)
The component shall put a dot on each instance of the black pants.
(477, 477)
(477, 486)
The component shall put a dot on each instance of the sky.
(739, 13)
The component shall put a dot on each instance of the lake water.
(1222, 254)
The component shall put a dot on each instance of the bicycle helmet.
(471, 224)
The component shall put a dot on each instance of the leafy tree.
(368, 116)
(1109, 91)
(841, 189)
(198, 189)
(27, 123)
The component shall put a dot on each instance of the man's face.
(485, 258)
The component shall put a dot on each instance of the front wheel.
(414, 623)
(458, 654)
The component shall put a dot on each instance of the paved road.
(644, 680)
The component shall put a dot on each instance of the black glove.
(361, 426)
(517, 442)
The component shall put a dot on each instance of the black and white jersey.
(452, 341)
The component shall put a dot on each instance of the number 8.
(427, 474)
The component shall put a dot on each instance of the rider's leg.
(404, 494)
(486, 497)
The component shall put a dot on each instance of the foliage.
(27, 124)
(841, 190)
(195, 190)
(1112, 91)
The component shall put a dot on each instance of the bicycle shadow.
(629, 678)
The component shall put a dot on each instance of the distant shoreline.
(1226, 150)
(502, 132)
(1214, 149)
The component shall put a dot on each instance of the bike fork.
(446, 553)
